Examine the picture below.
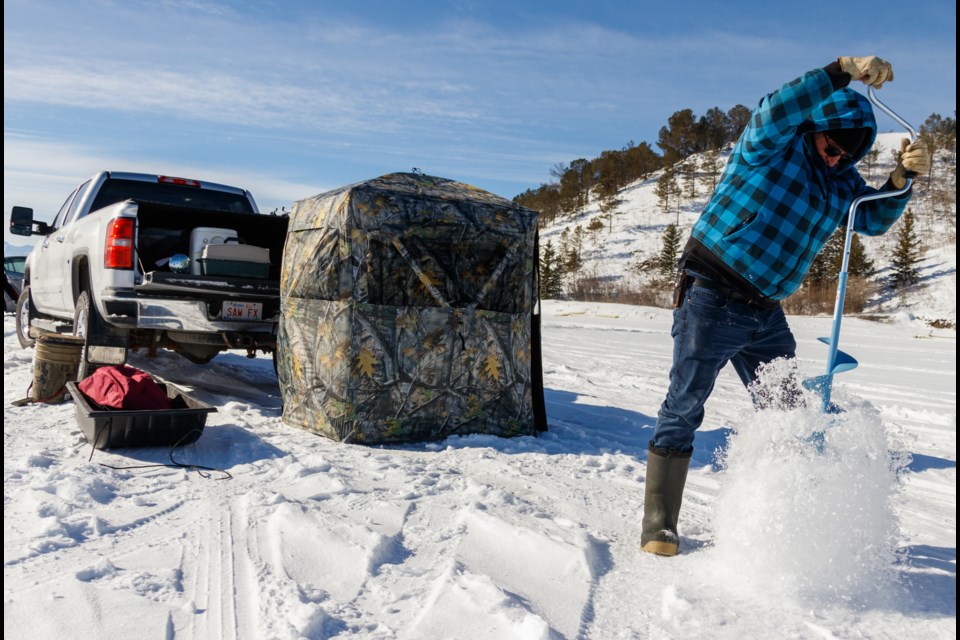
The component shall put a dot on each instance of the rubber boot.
(666, 475)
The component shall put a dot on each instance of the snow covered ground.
(480, 537)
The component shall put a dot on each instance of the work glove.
(870, 69)
(914, 160)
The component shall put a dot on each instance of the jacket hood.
(845, 109)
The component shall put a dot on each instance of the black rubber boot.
(666, 475)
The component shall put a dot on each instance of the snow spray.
(799, 521)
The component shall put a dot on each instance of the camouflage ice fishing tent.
(409, 313)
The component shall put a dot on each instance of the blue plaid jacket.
(777, 203)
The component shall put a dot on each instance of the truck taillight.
(118, 252)
(183, 182)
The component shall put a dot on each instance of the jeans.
(710, 330)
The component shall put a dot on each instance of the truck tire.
(25, 313)
(82, 316)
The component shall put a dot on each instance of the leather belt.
(736, 296)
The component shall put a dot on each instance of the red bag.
(123, 387)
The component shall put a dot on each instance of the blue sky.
(290, 99)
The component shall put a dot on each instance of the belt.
(736, 296)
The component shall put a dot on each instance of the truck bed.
(164, 231)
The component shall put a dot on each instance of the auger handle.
(834, 341)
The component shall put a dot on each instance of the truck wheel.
(25, 313)
(81, 327)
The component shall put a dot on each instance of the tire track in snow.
(227, 599)
(245, 557)
(203, 581)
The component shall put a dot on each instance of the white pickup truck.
(120, 266)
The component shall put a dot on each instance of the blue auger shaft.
(832, 364)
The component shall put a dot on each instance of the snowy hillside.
(483, 537)
(638, 225)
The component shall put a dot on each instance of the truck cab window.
(62, 214)
(116, 190)
(71, 212)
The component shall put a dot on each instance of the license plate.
(242, 311)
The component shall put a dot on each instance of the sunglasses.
(834, 151)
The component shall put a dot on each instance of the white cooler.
(200, 238)
(232, 259)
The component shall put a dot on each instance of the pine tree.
(668, 191)
(575, 185)
(906, 253)
(860, 263)
(677, 200)
(551, 273)
(574, 256)
(940, 134)
(826, 265)
(545, 199)
(870, 159)
(714, 128)
(712, 167)
(610, 171)
(689, 170)
(666, 186)
(679, 138)
(609, 206)
(739, 116)
(595, 225)
(667, 262)
(639, 161)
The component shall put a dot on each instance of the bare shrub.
(859, 292)
(658, 292)
(655, 293)
(816, 300)
(942, 323)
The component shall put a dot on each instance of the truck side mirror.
(21, 222)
